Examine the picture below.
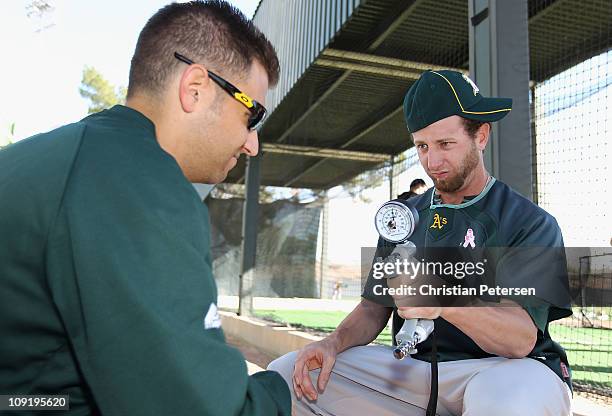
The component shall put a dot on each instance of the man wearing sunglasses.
(106, 287)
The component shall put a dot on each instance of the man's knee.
(535, 390)
(500, 406)
(284, 365)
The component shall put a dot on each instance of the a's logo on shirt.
(469, 238)
(438, 222)
(472, 84)
(212, 319)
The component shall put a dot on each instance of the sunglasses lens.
(257, 118)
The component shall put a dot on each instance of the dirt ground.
(251, 354)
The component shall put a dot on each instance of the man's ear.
(194, 88)
(482, 136)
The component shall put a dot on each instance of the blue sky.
(40, 73)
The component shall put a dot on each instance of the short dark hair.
(406, 195)
(211, 32)
(471, 126)
(416, 183)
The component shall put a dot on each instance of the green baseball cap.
(440, 94)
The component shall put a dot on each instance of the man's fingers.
(306, 385)
(313, 364)
(297, 378)
(425, 312)
(326, 369)
(296, 388)
(404, 312)
(310, 359)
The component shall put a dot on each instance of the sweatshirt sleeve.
(129, 270)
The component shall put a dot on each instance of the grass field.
(589, 350)
(325, 321)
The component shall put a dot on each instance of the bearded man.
(490, 357)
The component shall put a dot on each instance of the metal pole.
(534, 147)
(324, 231)
(392, 178)
(249, 236)
(499, 64)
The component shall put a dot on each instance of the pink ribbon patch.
(469, 238)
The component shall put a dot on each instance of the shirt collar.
(436, 201)
(133, 116)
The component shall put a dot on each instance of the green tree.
(100, 93)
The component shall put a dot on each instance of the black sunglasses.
(258, 111)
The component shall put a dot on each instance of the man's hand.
(360, 327)
(407, 312)
(402, 252)
(321, 354)
(409, 279)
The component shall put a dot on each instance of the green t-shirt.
(512, 228)
(106, 286)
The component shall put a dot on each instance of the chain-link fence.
(571, 100)
(587, 335)
(286, 247)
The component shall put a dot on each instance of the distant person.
(106, 286)
(417, 187)
(337, 295)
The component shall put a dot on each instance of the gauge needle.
(392, 222)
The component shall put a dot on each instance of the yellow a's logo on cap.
(472, 83)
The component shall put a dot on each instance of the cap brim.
(489, 109)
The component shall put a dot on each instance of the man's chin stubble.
(452, 185)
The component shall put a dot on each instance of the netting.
(587, 335)
(571, 97)
(286, 247)
(341, 274)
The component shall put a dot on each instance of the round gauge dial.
(395, 221)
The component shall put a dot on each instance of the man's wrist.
(448, 313)
(334, 341)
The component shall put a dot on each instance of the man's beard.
(454, 183)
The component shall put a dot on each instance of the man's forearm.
(504, 331)
(361, 326)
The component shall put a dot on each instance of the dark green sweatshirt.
(106, 286)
